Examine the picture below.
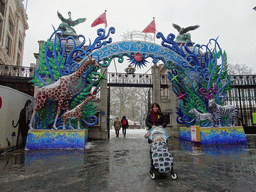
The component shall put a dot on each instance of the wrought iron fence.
(241, 80)
(243, 96)
(124, 79)
(16, 71)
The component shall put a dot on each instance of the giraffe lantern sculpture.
(76, 113)
(60, 90)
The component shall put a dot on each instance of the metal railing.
(243, 95)
(239, 80)
(243, 80)
(16, 71)
(124, 79)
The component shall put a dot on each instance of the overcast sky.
(233, 21)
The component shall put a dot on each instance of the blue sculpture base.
(57, 139)
(216, 135)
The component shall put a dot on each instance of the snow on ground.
(130, 133)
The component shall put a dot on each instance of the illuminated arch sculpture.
(197, 74)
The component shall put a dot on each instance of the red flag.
(101, 19)
(151, 28)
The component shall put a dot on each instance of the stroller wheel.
(153, 175)
(174, 175)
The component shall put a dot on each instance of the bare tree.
(239, 69)
(128, 101)
(118, 100)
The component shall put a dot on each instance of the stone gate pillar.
(156, 91)
(103, 106)
(168, 106)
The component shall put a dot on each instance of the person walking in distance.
(125, 124)
(117, 125)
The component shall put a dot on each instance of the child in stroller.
(161, 158)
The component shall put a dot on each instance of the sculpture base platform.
(213, 135)
(57, 139)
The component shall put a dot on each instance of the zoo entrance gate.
(242, 95)
(127, 80)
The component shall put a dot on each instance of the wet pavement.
(123, 164)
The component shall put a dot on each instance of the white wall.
(13, 102)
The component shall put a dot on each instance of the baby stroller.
(161, 158)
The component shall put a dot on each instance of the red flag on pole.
(151, 28)
(101, 19)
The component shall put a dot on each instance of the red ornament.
(138, 57)
(0, 102)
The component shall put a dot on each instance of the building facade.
(13, 24)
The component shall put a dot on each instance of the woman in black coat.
(156, 117)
